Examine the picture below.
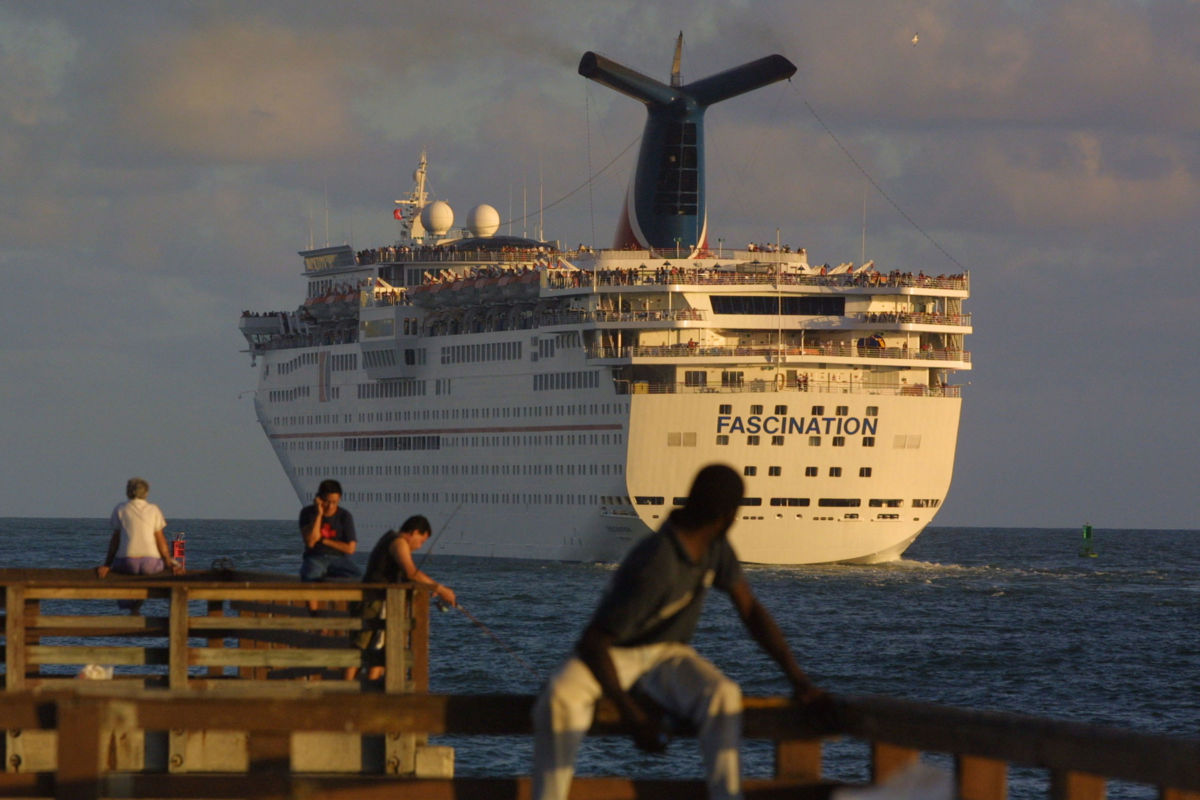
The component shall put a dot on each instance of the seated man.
(639, 637)
(329, 537)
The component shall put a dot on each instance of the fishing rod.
(433, 541)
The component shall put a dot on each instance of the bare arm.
(402, 553)
(160, 541)
(113, 544)
(312, 534)
(762, 627)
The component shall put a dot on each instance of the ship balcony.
(842, 354)
(912, 321)
(784, 383)
(651, 318)
(555, 282)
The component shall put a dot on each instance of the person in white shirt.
(138, 545)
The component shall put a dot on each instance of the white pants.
(673, 675)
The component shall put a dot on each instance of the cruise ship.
(537, 402)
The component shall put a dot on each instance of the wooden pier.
(240, 694)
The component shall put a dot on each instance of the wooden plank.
(1177, 794)
(981, 778)
(94, 624)
(231, 626)
(94, 592)
(283, 657)
(1067, 785)
(372, 787)
(177, 642)
(98, 654)
(325, 592)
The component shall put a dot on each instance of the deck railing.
(91, 729)
(1078, 760)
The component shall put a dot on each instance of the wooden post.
(981, 778)
(798, 759)
(395, 645)
(399, 749)
(888, 759)
(177, 639)
(216, 608)
(79, 767)
(14, 637)
(1066, 785)
(418, 640)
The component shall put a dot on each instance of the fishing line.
(532, 669)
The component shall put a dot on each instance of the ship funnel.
(665, 206)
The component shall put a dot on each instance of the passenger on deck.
(391, 561)
(638, 639)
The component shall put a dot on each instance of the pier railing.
(1078, 759)
(244, 692)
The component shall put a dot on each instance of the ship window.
(814, 441)
(774, 472)
(756, 409)
(679, 501)
(674, 439)
(649, 501)
(872, 411)
(725, 408)
(818, 411)
(864, 472)
(885, 503)
(789, 501)
(868, 441)
(693, 377)
(752, 439)
(777, 441)
(843, 410)
(722, 438)
(839, 441)
(810, 472)
(839, 502)
(835, 472)
(780, 410)
(751, 501)
(750, 470)
(732, 378)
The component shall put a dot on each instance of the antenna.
(676, 78)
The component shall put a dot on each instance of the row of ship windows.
(809, 472)
(505, 412)
(817, 411)
(800, 502)
(369, 444)
(340, 362)
(779, 441)
(457, 470)
(549, 381)
(471, 353)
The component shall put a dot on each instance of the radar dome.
(437, 217)
(483, 220)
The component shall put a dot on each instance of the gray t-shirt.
(657, 593)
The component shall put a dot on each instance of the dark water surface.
(1000, 619)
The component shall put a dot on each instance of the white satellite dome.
(483, 220)
(437, 217)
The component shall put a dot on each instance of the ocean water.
(985, 618)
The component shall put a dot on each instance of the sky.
(162, 162)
